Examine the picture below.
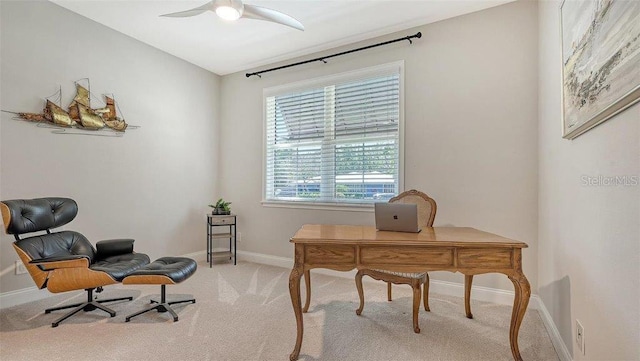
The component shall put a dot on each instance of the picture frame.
(600, 61)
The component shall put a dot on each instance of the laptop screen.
(397, 217)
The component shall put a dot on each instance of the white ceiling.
(224, 48)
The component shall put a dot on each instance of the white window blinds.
(337, 142)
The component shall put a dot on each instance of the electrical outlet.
(580, 336)
(239, 237)
(20, 268)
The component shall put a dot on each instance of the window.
(335, 140)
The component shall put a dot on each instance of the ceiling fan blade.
(191, 12)
(260, 13)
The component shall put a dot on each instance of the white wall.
(483, 137)
(589, 236)
(155, 182)
(470, 138)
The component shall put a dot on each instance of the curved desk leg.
(425, 293)
(520, 303)
(307, 284)
(468, 280)
(415, 284)
(294, 291)
(360, 291)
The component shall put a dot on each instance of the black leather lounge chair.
(65, 260)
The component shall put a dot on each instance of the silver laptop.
(397, 217)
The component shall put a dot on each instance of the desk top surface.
(429, 236)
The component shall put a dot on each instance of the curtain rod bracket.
(323, 59)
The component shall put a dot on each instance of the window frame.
(379, 70)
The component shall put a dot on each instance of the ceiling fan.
(234, 9)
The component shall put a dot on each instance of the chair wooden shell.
(426, 214)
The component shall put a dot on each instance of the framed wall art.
(600, 61)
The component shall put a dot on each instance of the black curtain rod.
(324, 58)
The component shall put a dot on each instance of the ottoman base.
(163, 271)
(162, 306)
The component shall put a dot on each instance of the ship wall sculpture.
(79, 114)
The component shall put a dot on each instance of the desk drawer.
(330, 255)
(484, 258)
(406, 256)
(221, 220)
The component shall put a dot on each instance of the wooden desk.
(456, 249)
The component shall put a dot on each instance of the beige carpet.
(244, 312)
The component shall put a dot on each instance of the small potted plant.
(221, 207)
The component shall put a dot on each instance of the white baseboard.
(199, 256)
(478, 293)
(17, 297)
(554, 334)
(266, 259)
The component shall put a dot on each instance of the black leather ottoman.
(163, 271)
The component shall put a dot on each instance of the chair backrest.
(426, 205)
(21, 216)
(32, 215)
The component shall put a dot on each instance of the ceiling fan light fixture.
(228, 13)
(231, 10)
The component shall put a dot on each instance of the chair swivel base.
(162, 306)
(90, 305)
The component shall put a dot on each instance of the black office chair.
(65, 260)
